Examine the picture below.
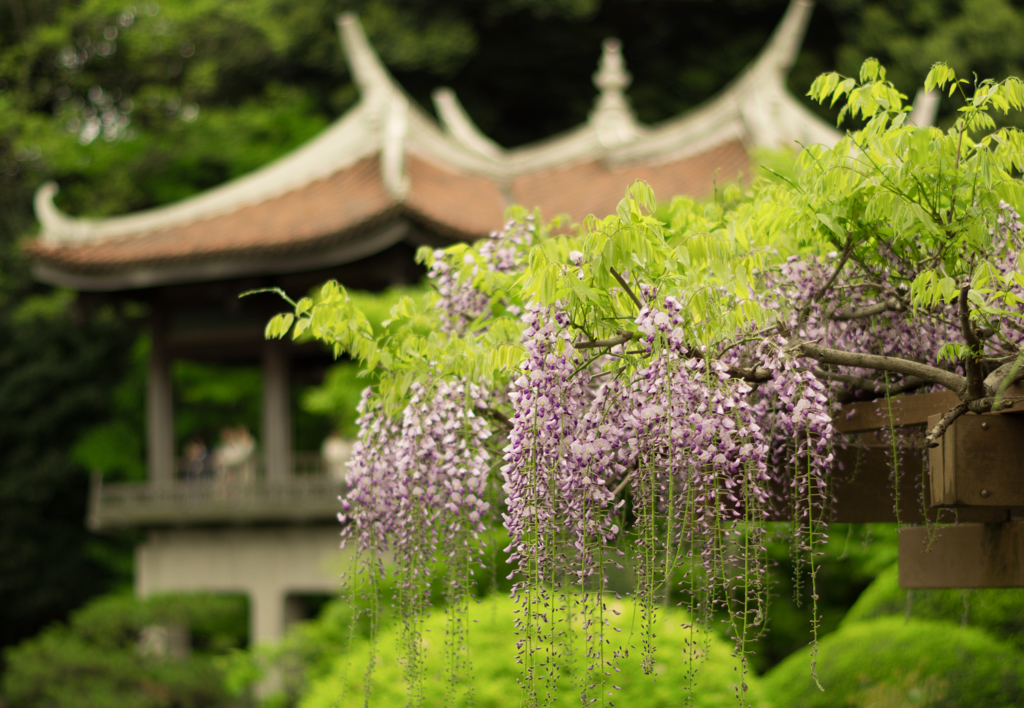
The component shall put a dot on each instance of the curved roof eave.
(154, 275)
(341, 145)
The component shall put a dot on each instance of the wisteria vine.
(645, 391)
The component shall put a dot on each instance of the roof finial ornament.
(368, 71)
(612, 116)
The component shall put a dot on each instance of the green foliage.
(337, 397)
(915, 204)
(96, 660)
(310, 650)
(494, 682)
(893, 662)
(58, 365)
(933, 195)
(211, 396)
(116, 446)
(909, 36)
(998, 611)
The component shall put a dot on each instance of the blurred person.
(196, 459)
(235, 457)
(336, 452)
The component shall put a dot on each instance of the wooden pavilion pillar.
(159, 406)
(277, 423)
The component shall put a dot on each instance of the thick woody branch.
(625, 481)
(805, 312)
(621, 337)
(1005, 373)
(625, 286)
(753, 375)
(847, 250)
(869, 385)
(896, 365)
(932, 439)
(975, 384)
(979, 405)
(988, 404)
(855, 313)
(499, 418)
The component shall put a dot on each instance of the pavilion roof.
(386, 167)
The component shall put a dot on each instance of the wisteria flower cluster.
(417, 493)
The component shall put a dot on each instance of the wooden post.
(977, 463)
(277, 423)
(962, 556)
(159, 406)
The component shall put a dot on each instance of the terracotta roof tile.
(352, 201)
(296, 221)
(595, 188)
(469, 205)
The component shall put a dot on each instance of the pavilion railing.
(309, 494)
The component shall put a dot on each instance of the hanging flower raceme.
(463, 293)
(417, 493)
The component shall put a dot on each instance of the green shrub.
(495, 673)
(892, 662)
(309, 650)
(98, 661)
(999, 611)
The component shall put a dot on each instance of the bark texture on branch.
(621, 337)
(975, 382)
(932, 439)
(855, 313)
(896, 365)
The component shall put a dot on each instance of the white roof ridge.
(755, 108)
(341, 145)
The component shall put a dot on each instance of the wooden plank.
(863, 489)
(962, 556)
(936, 471)
(910, 409)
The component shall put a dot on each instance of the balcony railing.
(307, 495)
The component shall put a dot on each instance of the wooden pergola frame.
(965, 497)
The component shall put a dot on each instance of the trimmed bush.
(101, 658)
(892, 662)
(495, 673)
(999, 611)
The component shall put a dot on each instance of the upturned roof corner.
(374, 81)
